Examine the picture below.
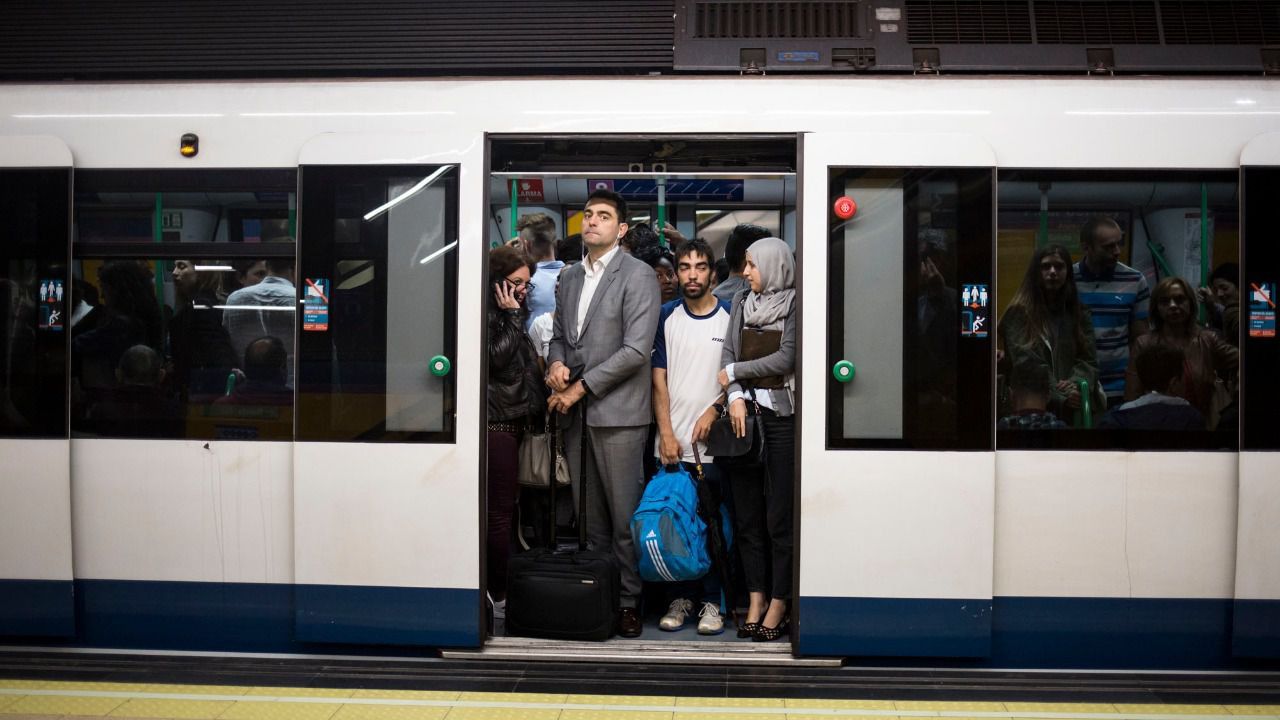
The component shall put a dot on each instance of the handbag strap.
(697, 463)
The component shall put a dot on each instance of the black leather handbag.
(726, 447)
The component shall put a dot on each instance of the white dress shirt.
(594, 271)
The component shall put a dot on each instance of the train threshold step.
(620, 650)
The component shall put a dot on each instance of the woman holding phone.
(515, 398)
(758, 374)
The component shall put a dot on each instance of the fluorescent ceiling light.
(219, 268)
(438, 253)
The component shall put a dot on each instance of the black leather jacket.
(515, 388)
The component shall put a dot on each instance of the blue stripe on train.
(37, 608)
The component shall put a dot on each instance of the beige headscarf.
(777, 269)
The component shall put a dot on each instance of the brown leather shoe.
(629, 625)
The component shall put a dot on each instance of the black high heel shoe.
(764, 633)
(748, 630)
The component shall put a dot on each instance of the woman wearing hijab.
(759, 376)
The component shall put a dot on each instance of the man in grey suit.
(606, 316)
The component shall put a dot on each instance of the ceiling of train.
(623, 154)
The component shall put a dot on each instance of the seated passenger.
(265, 309)
(1222, 298)
(1160, 366)
(1047, 324)
(266, 374)
(1211, 362)
(1030, 389)
(137, 407)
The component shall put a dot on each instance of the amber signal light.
(189, 145)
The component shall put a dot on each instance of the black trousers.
(763, 499)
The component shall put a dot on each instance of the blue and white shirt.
(1116, 301)
(688, 346)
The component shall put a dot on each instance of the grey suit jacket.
(616, 341)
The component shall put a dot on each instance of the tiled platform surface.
(21, 698)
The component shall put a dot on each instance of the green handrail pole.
(662, 210)
(1042, 232)
(1204, 244)
(1159, 258)
(1086, 404)
(157, 236)
(515, 209)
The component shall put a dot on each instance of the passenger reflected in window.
(1222, 300)
(1116, 295)
(266, 376)
(247, 273)
(937, 326)
(1030, 388)
(199, 347)
(130, 316)
(138, 406)
(1210, 362)
(1159, 365)
(18, 395)
(265, 309)
(1047, 324)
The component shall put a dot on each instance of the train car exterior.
(962, 550)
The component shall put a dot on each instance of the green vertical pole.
(662, 210)
(157, 236)
(515, 208)
(1204, 244)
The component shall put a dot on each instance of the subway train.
(327, 496)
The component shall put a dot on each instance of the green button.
(844, 371)
(440, 366)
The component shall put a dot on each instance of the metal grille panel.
(41, 39)
(968, 21)
(1096, 22)
(776, 19)
(1221, 22)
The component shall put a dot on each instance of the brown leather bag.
(754, 344)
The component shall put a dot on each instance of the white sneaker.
(710, 622)
(676, 613)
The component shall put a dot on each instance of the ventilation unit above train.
(850, 36)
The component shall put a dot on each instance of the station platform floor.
(205, 687)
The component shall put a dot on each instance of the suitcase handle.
(583, 445)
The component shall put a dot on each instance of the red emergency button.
(845, 207)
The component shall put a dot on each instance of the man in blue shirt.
(538, 237)
(1117, 295)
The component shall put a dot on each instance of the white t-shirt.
(540, 331)
(688, 346)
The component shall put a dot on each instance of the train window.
(183, 304)
(34, 298)
(1257, 309)
(910, 279)
(1113, 328)
(379, 278)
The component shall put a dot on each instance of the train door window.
(1117, 309)
(1257, 309)
(910, 266)
(182, 304)
(378, 276)
(34, 301)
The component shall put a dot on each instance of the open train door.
(36, 582)
(1256, 623)
(897, 464)
(386, 507)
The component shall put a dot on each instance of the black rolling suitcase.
(564, 594)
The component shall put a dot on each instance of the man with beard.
(1117, 295)
(606, 315)
(686, 359)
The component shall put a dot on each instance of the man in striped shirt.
(1118, 297)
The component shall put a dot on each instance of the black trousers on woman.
(763, 498)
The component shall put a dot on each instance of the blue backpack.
(670, 538)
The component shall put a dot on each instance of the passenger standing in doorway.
(604, 328)
(515, 399)
(1118, 297)
(760, 380)
(686, 359)
(538, 236)
(735, 253)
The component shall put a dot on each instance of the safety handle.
(440, 365)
